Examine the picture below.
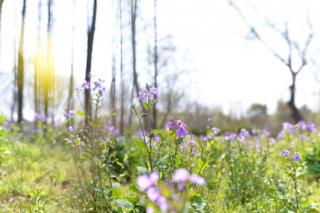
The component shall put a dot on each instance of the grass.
(35, 178)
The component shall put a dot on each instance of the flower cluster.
(86, 85)
(182, 176)
(294, 157)
(243, 135)
(98, 85)
(230, 136)
(147, 183)
(215, 130)
(148, 94)
(179, 127)
(40, 117)
(114, 131)
(291, 129)
(308, 126)
(69, 115)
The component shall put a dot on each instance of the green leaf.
(198, 203)
(146, 106)
(142, 171)
(180, 141)
(124, 204)
(81, 114)
(2, 119)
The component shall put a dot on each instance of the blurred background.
(244, 63)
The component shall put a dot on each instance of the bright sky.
(227, 70)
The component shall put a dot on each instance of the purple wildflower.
(152, 93)
(162, 203)
(178, 126)
(153, 193)
(148, 94)
(85, 85)
(272, 141)
(288, 127)
(98, 85)
(142, 95)
(215, 130)
(281, 134)
(69, 114)
(266, 132)
(311, 127)
(112, 129)
(193, 151)
(285, 152)
(39, 117)
(149, 210)
(296, 156)
(170, 125)
(230, 136)
(157, 138)
(71, 129)
(243, 134)
(146, 181)
(181, 132)
(197, 180)
(302, 125)
(181, 175)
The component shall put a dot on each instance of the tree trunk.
(295, 113)
(113, 91)
(121, 73)
(134, 6)
(14, 91)
(90, 37)
(70, 104)
(155, 57)
(20, 74)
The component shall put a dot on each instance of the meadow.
(77, 167)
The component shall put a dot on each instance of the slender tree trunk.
(14, 91)
(295, 113)
(130, 111)
(90, 37)
(134, 6)
(1, 3)
(20, 74)
(155, 58)
(134, 9)
(121, 72)
(70, 103)
(49, 85)
(113, 91)
(36, 64)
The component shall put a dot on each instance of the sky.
(226, 69)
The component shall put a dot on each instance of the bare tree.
(49, 89)
(155, 62)
(293, 47)
(134, 9)
(70, 102)
(1, 3)
(122, 85)
(135, 85)
(20, 73)
(36, 67)
(113, 90)
(90, 37)
(14, 91)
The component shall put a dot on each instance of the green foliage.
(91, 168)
